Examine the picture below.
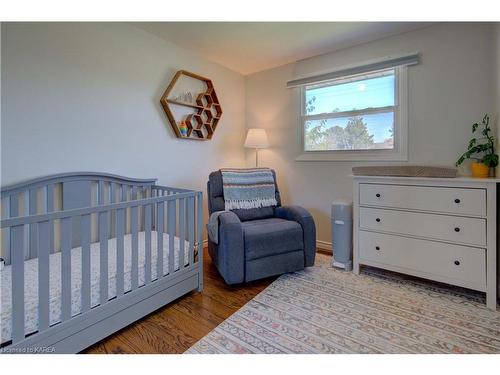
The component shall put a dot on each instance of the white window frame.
(398, 153)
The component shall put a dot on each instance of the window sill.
(352, 156)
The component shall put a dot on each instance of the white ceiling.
(249, 47)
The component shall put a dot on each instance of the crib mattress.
(31, 279)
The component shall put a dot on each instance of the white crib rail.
(178, 212)
(65, 191)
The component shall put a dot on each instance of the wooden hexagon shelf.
(205, 110)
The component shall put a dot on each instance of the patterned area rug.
(323, 310)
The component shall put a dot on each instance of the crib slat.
(26, 212)
(43, 276)
(103, 257)
(159, 241)
(124, 193)
(85, 239)
(124, 197)
(65, 269)
(6, 231)
(43, 201)
(171, 235)
(141, 195)
(191, 229)
(135, 244)
(33, 205)
(153, 208)
(51, 208)
(134, 195)
(199, 243)
(5, 207)
(147, 234)
(120, 232)
(112, 192)
(100, 192)
(33, 227)
(13, 212)
(14, 205)
(50, 197)
(112, 215)
(182, 231)
(17, 279)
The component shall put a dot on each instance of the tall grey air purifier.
(342, 234)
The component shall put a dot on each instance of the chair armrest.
(231, 252)
(306, 221)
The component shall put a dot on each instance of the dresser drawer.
(465, 266)
(466, 230)
(460, 201)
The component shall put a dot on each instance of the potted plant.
(481, 150)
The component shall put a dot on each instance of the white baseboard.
(324, 245)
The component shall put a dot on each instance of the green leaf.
(490, 160)
(494, 160)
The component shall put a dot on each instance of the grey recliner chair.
(259, 242)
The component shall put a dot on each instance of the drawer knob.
(457, 201)
(457, 263)
(377, 195)
(457, 229)
(377, 247)
(377, 220)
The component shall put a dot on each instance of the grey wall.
(452, 87)
(497, 93)
(85, 97)
(497, 60)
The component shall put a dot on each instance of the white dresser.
(437, 228)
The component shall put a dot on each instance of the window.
(356, 117)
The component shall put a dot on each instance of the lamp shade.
(256, 138)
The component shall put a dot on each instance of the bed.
(86, 254)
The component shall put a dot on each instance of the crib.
(86, 254)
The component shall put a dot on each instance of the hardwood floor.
(177, 326)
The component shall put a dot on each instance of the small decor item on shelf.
(185, 97)
(183, 128)
(481, 150)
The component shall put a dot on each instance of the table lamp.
(257, 139)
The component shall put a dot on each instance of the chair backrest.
(216, 200)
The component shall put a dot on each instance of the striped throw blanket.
(248, 188)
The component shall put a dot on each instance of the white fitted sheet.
(31, 279)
